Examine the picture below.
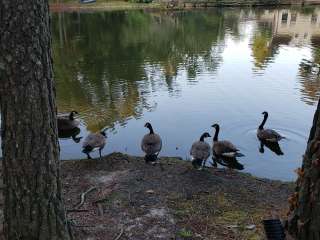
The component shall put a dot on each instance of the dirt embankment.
(131, 200)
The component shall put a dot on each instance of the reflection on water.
(272, 146)
(183, 71)
(110, 64)
(300, 28)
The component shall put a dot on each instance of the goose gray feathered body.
(200, 151)
(93, 142)
(269, 135)
(151, 144)
(223, 148)
(68, 122)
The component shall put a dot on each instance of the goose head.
(148, 125)
(205, 135)
(103, 133)
(71, 116)
(216, 125)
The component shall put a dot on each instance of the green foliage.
(184, 233)
(99, 56)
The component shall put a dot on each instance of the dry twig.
(120, 234)
(82, 199)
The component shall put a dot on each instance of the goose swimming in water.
(269, 135)
(94, 141)
(223, 148)
(151, 144)
(72, 133)
(68, 122)
(200, 151)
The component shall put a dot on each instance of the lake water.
(185, 70)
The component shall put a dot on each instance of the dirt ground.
(128, 199)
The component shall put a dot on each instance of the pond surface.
(184, 71)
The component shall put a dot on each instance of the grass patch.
(184, 233)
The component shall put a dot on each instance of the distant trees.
(33, 199)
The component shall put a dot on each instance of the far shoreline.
(74, 6)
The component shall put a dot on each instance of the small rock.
(232, 226)
(251, 227)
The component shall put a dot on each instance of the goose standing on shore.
(269, 135)
(223, 148)
(94, 141)
(200, 151)
(151, 144)
(68, 122)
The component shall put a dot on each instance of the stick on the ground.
(77, 210)
(83, 197)
(120, 234)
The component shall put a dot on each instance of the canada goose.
(93, 142)
(267, 134)
(273, 146)
(72, 133)
(200, 151)
(151, 144)
(223, 148)
(69, 122)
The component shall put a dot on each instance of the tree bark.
(33, 200)
(304, 219)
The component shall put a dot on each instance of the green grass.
(184, 233)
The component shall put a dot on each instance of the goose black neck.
(151, 129)
(215, 138)
(71, 116)
(202, 137)
(264, 121)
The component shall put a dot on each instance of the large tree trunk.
(304, 219)
(33, 202)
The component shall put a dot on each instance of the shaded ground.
(137, 201)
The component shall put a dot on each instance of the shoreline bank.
(170, 5)
(120, 194)
(172, 201)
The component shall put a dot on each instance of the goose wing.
(94, 140)
(65, 123)
(222, 147)
(200, 150)
(269, 135)
(151, 144)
